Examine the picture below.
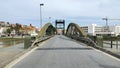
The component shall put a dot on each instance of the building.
(91, 29)
(59, 31)
(94, 30)
(17, 29)
(31, 30)
(115, 29)
(3, 27)
(85, 28)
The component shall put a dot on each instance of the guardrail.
(74, 31)
(46, 32)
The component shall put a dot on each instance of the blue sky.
(82, 12)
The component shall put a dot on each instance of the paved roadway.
(62, 52)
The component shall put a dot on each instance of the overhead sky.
(83, 12)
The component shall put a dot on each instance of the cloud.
(28, 11)
(75, 8)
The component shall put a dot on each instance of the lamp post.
(41, 14)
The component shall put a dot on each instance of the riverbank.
(7, 41)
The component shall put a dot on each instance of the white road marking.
(107, 54)
(10, 65)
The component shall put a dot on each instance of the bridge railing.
(106, 41)
(46, 32)
(74, 31)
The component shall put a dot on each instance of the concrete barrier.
(27, 42)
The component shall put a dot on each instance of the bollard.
(27, 42)
(117, 43)
(112, 39)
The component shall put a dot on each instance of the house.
(2, 28)
(29, 30)
(32, 30)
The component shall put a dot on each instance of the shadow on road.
(65, 38)
(63, 48)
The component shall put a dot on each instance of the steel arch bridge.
(46, 30)
(74, 30)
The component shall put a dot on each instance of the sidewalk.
(114, 49)
(10, 53)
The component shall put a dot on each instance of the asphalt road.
(62, 52)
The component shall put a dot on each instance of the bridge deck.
(62, 52)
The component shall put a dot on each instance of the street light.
(41, 14)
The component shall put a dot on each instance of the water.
(6, 42)
(1, 44)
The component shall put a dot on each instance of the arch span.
(46, 30)
(74, 30)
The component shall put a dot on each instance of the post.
(116, 42)
(111, 42)
(107, 28)
(56, 26)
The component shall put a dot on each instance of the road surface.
(62, 52)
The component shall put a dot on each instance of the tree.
(8, 32)
(11, 28)
(17, 28)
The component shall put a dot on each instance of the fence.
(108, 41)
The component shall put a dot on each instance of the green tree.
(8, 32)
(11, 27)
(17, 28)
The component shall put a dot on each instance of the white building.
(94, 30)
(85, 28)
(1, 30)
(115, 29)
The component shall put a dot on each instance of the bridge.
(74, 49)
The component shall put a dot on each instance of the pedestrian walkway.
(114, 49)
(9, 53)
